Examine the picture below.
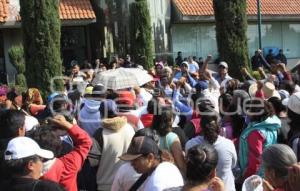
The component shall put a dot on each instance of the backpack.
(95, 153)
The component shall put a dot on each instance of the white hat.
(30, 122)
(294, 103)
(284, 94)
(223, 64)
(22, 147)
(268, 89)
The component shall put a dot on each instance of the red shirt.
(255, 143)
(64, 170)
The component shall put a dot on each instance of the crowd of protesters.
(189, 129)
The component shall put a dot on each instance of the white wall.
(200, 40)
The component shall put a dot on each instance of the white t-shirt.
(227, 158)
(166, 175)
(125, 177)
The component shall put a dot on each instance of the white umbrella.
(121, 78)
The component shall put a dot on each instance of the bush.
(16, 57)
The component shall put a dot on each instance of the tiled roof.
(76, 9)
(268, 7)
(68, 9)
(3, 10)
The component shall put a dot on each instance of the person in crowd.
(15, 100)
(24, 165)
(116, 136)
(145, 157)
(281, 113)
(126, 176)
(183, 71)
(280, 56)
(128, 63)
(294, 177)
(226, 123)
(33, 102)
(260, 133)
(89, 116)
(201, 175)
(256, 61)
(270, 56)
(88, 71)
(76, 74)
(193, 66)
(128, 108)
(293, 106)
(12, 124)
(203, 107)
(296, 75)
(179, 59)
(277, 159)
(168, 140)
(222, 73)
(147, 118)
(63, 169)
(227, 157)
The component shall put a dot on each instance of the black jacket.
(28, 184)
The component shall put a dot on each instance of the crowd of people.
(189, 129)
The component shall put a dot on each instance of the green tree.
(231, 28)
(16, 57)
(41, 39)
(141, 43)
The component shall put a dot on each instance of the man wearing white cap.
(293, 105)
(23, 160)
(222, 73)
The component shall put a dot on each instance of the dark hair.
(48, 139)
(277, 105)
(202, 160)
(232, 85)
(162, 121)
(225, 101)
(147, 132)
(289, 86)
(59, 102)
(19, 166)
(152, 106)
(210, 128)
(10, 123)
(295, 120)
(260, 110)
(107, 109)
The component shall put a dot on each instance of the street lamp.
(259, 23)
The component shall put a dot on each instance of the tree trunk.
(41, 39)
(231, 28)
(140, 34)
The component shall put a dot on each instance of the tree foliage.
(16, 57)
(231, 28)
(41, 39)
(141, 43)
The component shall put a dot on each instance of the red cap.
(126, 98)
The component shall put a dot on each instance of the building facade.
(76, 17)
(193, 28)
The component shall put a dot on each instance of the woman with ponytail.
(227, 157)
(201, 162)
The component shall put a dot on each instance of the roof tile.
(268, 7)
(69, 9)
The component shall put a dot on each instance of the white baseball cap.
(22, 147)
(30, 122)
(224, 64)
